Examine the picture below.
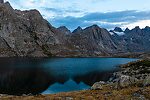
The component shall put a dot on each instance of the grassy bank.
(107, 93)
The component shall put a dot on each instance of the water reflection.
(34, 75)
(22, 76)
(69, 85)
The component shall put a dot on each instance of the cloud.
(141, 24)
(105, 13)
(107, 20)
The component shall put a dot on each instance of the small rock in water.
(98, 85)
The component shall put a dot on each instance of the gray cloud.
(107, 20)
(120, 16)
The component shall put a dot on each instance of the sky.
(105, 13)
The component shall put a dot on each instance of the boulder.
(146, 81)
(125, 81)
(98, 85)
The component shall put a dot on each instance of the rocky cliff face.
(26, 33)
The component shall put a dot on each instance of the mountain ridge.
(27, 33)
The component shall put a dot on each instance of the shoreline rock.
(98, 85)
(134, 73)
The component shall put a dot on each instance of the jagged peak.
(137, 27)
(118, 29)
(5, 3)
(93, 27)
(7, 8)
(147, 27)
(127, 30)
(78, 29)
(64, 29)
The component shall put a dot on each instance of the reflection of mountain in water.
(92, 77)
(23, 81)
(70, 85)
(78, 82)
(29, 75)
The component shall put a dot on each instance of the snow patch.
(119, 33)
(111, 33)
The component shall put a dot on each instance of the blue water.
(76, 66)
(73, 74)
(54, 75)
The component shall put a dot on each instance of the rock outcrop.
(125, 81)
(146, 81)
(98, 85)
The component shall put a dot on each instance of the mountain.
(127, 30)
(93, 41)
(118, 29)
(64, 30)
(78, 30)
(27, 33)
(138, 40)
(134, 40)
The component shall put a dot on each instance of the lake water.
(81, 73)
(48, 76)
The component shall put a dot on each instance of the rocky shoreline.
(134, 74)
(131, 73)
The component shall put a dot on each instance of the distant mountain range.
(27, 33)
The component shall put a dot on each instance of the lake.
(53, 75)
